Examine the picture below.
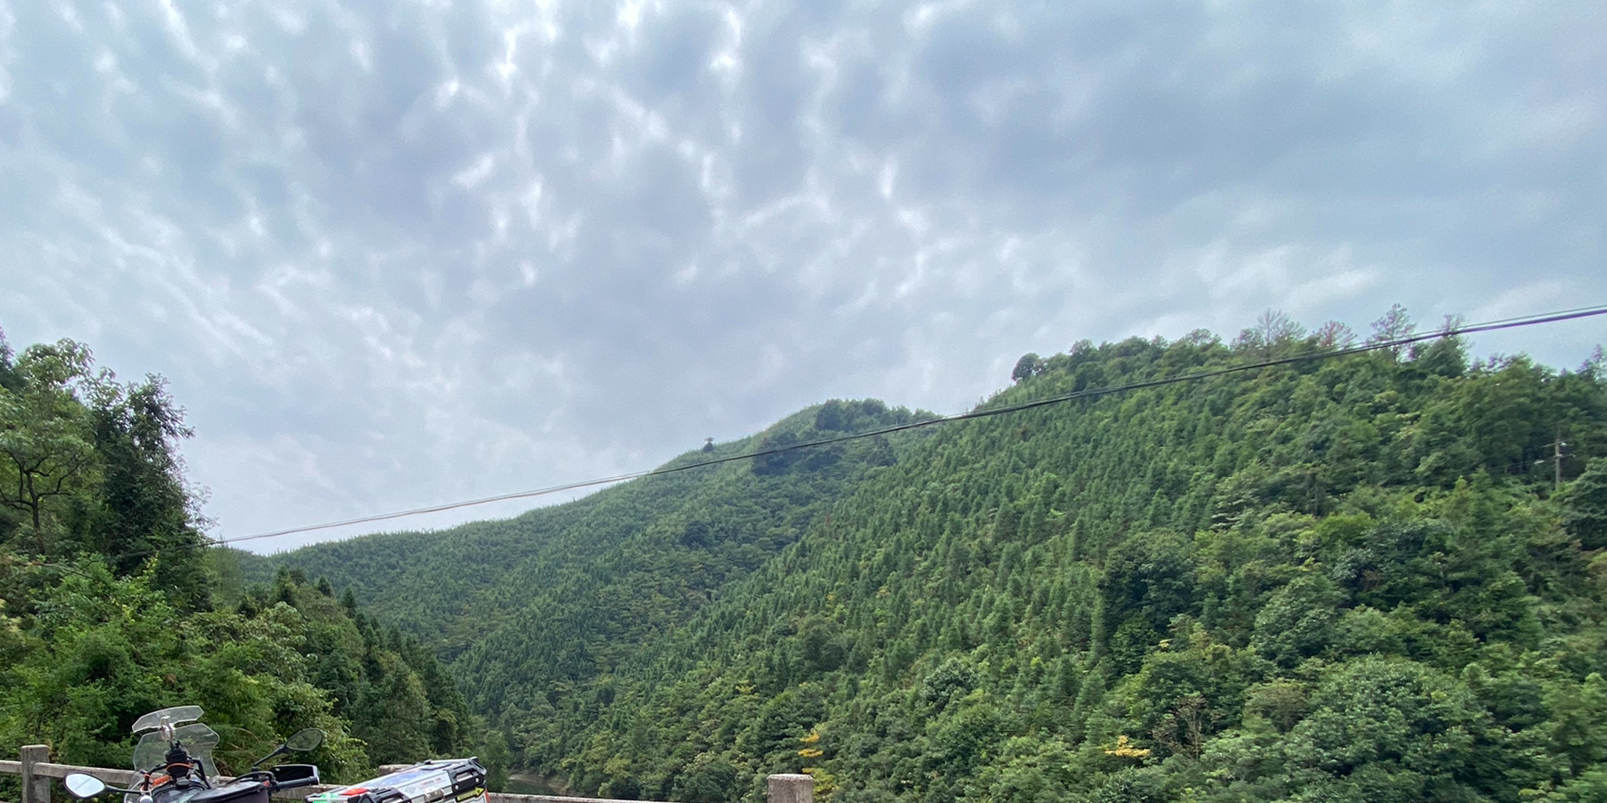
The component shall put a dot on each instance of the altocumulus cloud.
(393, 254)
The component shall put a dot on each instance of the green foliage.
(1340, 580)
(1336, 580)
(100, 651)
(1028, 366)
(88, 464)
(1584, 511)
(110, 608)
(106, 650)
(47, 451)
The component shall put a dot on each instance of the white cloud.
(398, 254)
(470, 177)
(1526, 299)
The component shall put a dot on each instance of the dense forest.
(615, 566)
(112, 606)
(1363, 578)
(1369, 577)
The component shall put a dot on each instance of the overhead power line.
(1488, 326)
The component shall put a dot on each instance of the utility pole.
(1556, 459)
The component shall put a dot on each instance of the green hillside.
(616, 566)
(1345, 579)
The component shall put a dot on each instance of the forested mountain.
(1342, 579)
(1361, 578)
(110, 607)
(617, 565)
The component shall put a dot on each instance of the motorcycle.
(174, 763)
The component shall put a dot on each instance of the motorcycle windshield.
(176, 715)
(197, 740)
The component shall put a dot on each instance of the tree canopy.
(1343, 579)
(111, 604)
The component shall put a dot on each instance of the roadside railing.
(39, 776)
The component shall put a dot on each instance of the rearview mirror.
(82, 786)
(305, 740)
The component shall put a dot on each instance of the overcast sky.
(392, 254)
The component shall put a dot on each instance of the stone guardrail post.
(791, 789)
(35, 787)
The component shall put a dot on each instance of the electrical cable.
(1395, 343)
